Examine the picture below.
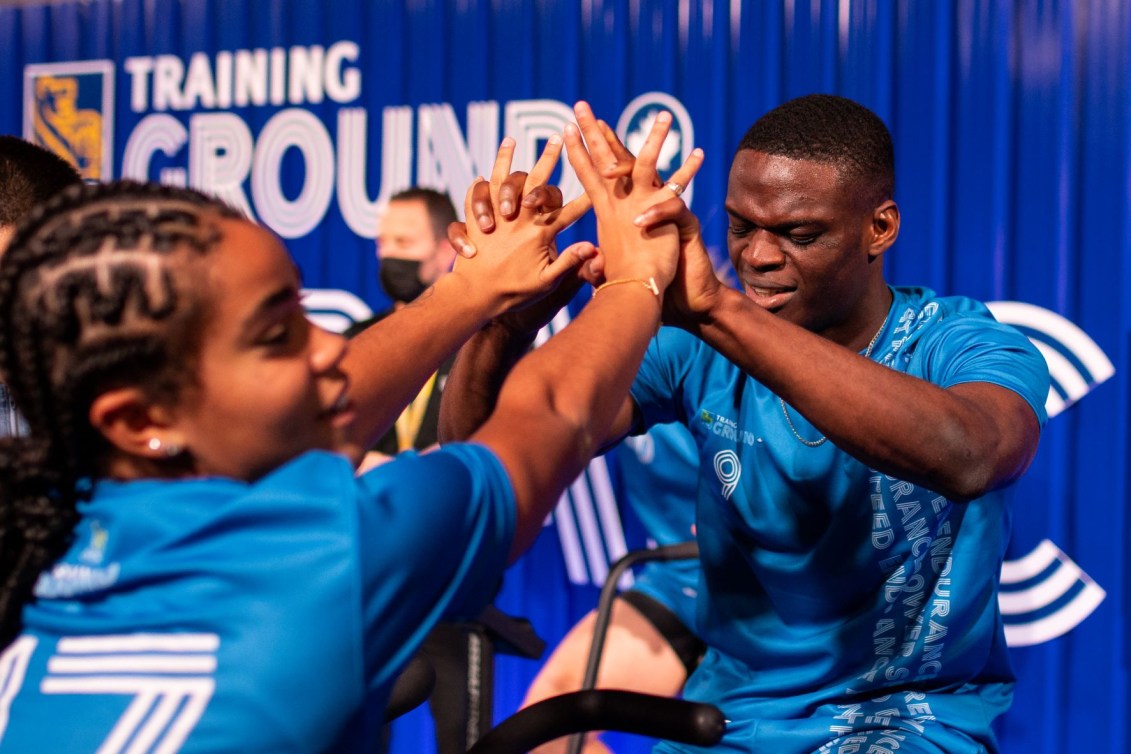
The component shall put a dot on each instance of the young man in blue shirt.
(856, 446)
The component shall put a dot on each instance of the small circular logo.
(728, 470)
(636, 121)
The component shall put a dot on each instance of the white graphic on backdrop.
(187, 134)
(333, 309)
(1044, 594)
(1076, 364)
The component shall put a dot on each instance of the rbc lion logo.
(69, 109)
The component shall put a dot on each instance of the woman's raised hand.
(515, 254)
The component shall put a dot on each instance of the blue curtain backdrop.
(1011, 124)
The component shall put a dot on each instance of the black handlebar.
(411, 689)
(623, 711)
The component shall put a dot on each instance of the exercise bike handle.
(411, 689)
(602, 709)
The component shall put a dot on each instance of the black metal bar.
(678, 720)
(681, 551)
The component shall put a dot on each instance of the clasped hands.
(509, 241)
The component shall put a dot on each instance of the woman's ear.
(131, 422)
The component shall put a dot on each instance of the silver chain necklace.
(785, 411)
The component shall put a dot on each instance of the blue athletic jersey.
(837, 600)
(212, 615)
(659, 473)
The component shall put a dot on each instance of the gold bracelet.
(650, 284)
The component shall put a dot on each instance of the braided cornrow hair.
(93, 295)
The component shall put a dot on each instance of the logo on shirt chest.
(726, 428)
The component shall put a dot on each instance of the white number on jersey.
(170, 677)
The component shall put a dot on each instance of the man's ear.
(135, 425)
(885, 228)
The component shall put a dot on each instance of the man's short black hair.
(441, 211)
(29, 175)
(830, 129)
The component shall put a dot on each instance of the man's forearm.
(959, 441)
(571, 389)
(476, 377)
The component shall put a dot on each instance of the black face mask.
(401, 279)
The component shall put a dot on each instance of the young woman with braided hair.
(55, 366)
(189, 562)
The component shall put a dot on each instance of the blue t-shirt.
(212, 615)
(837, 600)
(659, 471)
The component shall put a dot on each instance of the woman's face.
(269, 385)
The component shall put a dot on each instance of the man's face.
(405, 232)
(801, 239)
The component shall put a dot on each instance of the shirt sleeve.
(658, 388)
(969, 348)
(435, 531)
